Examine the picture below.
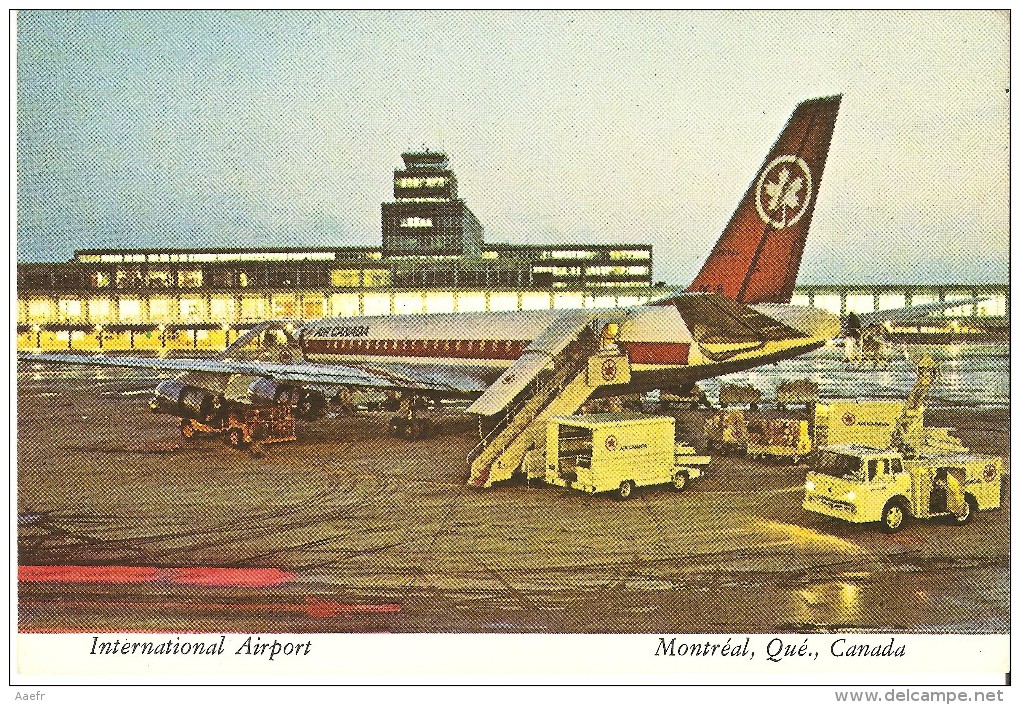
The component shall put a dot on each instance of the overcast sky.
(222, 129)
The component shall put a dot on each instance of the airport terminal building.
(433, 258)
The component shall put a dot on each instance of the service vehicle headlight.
(851, 495)
(809, 486)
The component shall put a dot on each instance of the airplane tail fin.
(758, 255)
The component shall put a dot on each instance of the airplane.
(866, 334)
(876, 321)
(734, 316)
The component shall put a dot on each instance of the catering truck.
(618, 452)
(860, 484)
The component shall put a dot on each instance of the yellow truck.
(853, 422)
(861, 485)
(618, 453)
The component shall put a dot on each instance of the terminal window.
(221, 309)
(99, 310)
(377, 277)
(70, 309)
(158, 278)
(190, 309)
(130, 310)
(345, 278)
(159, 309)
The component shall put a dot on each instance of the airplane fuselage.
(659, 344)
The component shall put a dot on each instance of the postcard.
(540, 347)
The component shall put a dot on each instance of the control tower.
(426, 219)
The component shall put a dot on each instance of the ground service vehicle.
(778, 434)
(861, 484)
(618, 452)
(726, 431)
(242, 426)
(852, 422)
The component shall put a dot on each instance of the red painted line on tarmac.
(85, 574)
(229, 577)
(215, 577)
(219, 577)
(311, 606)
(119, 630)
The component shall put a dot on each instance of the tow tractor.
(618, 452)
(861, 485)
(245, 425)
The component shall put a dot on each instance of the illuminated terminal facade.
(433, 259)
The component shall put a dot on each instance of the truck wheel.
(235, 437)
(893, 517)
(411, 430)
(397, 425)
(680, 480)
(625, 490)
(971, 505)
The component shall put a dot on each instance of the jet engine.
(308, 404)
(268, 392)
(177, 398)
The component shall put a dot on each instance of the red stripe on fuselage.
(641, 353)
(471, 349)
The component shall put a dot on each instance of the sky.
(258, 128)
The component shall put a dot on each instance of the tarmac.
(348, 529)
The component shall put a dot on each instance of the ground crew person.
(955, 501)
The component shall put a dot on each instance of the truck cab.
(860, 484)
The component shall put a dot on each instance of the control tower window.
(416, 222)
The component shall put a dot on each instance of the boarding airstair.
(554, 376)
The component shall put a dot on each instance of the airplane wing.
(435, 378)
(913, 313)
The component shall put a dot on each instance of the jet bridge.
(554, 376)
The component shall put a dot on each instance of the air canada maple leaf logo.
(783, 191)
